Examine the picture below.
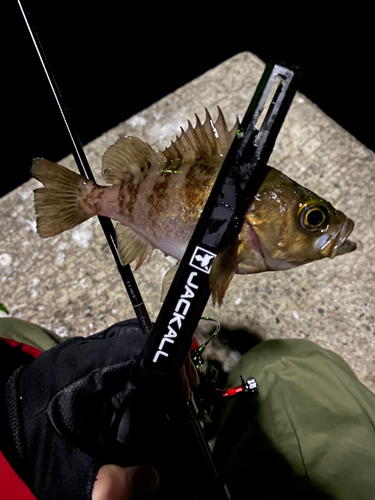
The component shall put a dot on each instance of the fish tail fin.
(58, 205)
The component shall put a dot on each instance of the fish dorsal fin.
(127, 159)
(203, 140)
(131, 246)
(167, 280)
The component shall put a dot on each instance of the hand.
(139, 482)
(129, 483)
(61, 407)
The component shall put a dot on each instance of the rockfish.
(157, 199)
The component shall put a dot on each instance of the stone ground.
(70, 284)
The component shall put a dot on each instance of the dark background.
(112, 59)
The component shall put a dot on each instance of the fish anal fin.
(167, 280)
(224, 267)
(131, 246)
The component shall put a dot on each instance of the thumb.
(130, 483)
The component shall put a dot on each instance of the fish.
(157, 197)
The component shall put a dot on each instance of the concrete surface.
(70, 283)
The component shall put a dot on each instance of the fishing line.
(85, 170)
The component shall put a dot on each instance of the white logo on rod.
(202, 259)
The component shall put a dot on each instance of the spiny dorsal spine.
(207, 139)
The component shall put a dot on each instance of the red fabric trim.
(11, 485)
(196, 344)
(28, 349)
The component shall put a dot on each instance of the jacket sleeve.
(12, 355)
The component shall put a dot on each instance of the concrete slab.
(70, 283)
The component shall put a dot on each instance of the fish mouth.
(342, 245)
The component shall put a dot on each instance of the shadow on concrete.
(239, 339)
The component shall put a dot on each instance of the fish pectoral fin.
(167, 280)
(224, 267)
(131, 246)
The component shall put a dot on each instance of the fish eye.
(314, 218)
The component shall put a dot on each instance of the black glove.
(61, 406)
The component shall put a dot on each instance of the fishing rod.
(85, 170)
(239, 179)
(168, 342)
(168, 345)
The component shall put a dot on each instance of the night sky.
(111, 62)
